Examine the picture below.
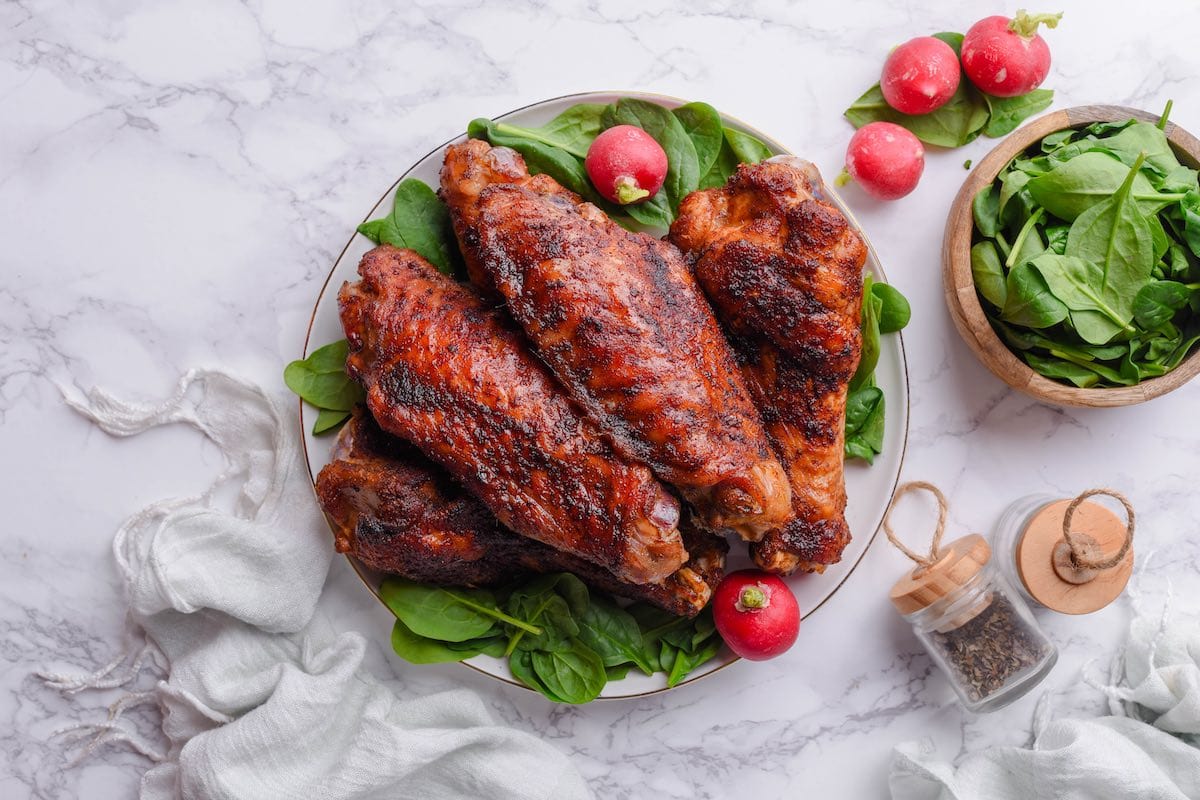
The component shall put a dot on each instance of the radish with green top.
(756, 614)
(920, 75)
(1006, 57)
(885, 160)
(626, 164)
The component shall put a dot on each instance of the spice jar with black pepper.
(975, 626)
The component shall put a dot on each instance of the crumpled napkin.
(1146, 750)
(259, 700)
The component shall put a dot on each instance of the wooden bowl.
(963, 301)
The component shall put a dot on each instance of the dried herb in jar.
(992, 647)
(968, 617)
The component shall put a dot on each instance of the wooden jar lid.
(1043, 558)
(960, 561)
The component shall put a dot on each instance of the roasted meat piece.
(451, 375)
(784, 271)
(620, 321)
(399, 513)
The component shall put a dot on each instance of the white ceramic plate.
(870, 488)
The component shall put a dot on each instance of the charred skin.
(451, 375)
(399, 513)
(784, 271)
(621, 322)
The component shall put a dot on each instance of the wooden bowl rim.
(959, 284)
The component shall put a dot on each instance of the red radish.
(1006, 57)
(756, 614)
(885, 159)
(920, 75)
(626, 165)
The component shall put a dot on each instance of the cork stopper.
(956, 563)
(1053, 572)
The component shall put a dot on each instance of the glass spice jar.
(977, 629)
(1071, 556)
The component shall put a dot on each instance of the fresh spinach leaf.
(618, 673)
(1143, 137)
(1090, 178)
(574, 674)
(655, 212)
(613, 634)
(985, 208)
(328, 419)
(1054, 140)
(1006, 113)
(722, 169)
(684, 662)
(960, 120)
(746, 148)
(552, 602)
(655, 623)
(573, 130)
(864, 423)
(1159, 237)
(550, 612)
(1029, 301)
(952, 38)
(1081, 376)
(321, 381)
(1178, 179)
(1189, 207)
(417, 649)
(1157, 302)
(1114, 235)
(1181, 352)
(894, 310)
(493, 645)
(520, 662)
(444, 613)
(1028, 244)
(703, 124)
(872, 306)
(1011, 184)
(988, 273)
(1098, 311)
(419, 221)
(1056, 238)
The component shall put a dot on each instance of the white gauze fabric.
(1147, 749)
(260, 700)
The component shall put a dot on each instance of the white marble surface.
(176, 179)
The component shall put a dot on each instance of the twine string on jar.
(1080, 559)
(935, 546)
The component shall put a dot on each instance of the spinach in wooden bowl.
(1086, 254)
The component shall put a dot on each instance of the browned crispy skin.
(399, 513)
(469, 168)
(452, 376)
(784, 271)
(619, 319)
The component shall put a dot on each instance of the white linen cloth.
(1147, 749)
(259, 702)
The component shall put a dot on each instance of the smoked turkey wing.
(619, 319)
(399, 513)
(784, 271)
(452, 376)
